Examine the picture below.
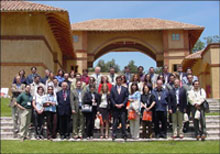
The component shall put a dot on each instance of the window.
(175, 36)
(75, 38)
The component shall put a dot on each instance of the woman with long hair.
(103, 109)
(147, 104)
(104, 80)
(135, 79)
(21, 73)
(124, 81)
(50, 103)
(38, 112)
(135, 106)
(147, 81)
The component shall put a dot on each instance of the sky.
(202, 13)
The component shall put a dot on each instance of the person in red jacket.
(104, 79)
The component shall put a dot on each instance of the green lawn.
(110, 147)
(5, 109)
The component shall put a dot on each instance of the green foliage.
(209, 39)
(212, 39)
(5, 108)
(105, 67)
(158, 70)
(198, 46)
(109, 147)
(132, 66)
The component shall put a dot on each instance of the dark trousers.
(149, 125)
(51, 124)
(38, 123)
(64, 125)
(119, 115)
(90, 120)
(160, 116)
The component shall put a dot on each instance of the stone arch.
(120, 43)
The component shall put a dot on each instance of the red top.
(109, 87)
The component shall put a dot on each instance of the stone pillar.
(215, 86)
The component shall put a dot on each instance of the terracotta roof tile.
(19, 5)
(196, 55)
(130, 24)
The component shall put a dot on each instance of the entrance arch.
(167, 42)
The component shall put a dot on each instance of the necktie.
(64, 95)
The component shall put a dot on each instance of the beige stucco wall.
(26, 50)
(98, 40)
(176, 43)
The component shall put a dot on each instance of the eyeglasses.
(50, 89)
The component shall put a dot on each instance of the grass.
(5, 108)
(110, 147)
(212, 113)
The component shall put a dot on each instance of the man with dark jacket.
(64, 110)
(177, 107)
(161, 97)
(119, 99)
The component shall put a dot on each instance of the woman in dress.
(135, 105)
(104, 109)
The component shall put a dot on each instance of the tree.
(112, 63)
(132, 66)
(102, 65)
(105, 67)
(198, 46)
(212, 39)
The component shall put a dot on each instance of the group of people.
(70, 103)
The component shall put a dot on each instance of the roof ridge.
(22, 5)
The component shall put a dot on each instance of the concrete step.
(210, 136)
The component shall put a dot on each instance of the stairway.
(212, 124)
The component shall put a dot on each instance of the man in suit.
(153, 76)
(64, 110)
(166, 74)
(180, 72)
(177, 107)
(161, 99)
(119, 99)
(76, 99)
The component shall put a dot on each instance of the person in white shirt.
(112, 76)
(38, 112)
(36, 83)
(196, 97)
(97, 75)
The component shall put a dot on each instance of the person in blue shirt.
(60, 76)
(50, 103)
(30, 77)
(161, 99)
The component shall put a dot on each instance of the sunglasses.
(49, 89)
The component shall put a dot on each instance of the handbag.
(86, 108)
(147, 116)
(131, 115)
(205, 105)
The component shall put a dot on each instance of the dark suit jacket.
(63, 106)
(87, 99)
(182, 100)
(121, 98)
